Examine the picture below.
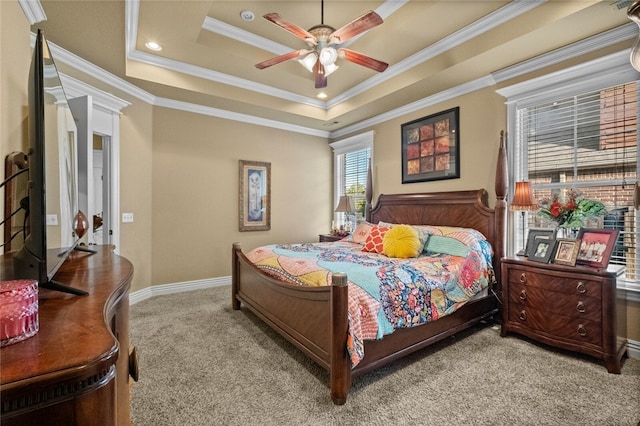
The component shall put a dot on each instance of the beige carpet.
(201, 363)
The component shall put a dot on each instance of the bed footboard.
(302, 315)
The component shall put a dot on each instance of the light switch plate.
(127, 217)
(52, 219)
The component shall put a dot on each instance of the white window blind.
(352, 157)
(588, 142)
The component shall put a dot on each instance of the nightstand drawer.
(554, 283)
(579, 330)
(556, 302)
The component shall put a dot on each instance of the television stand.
(56, 286)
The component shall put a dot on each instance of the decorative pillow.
(446, 245)
(375, 238)
(362, 232)
(401, 241)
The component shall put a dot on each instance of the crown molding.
(75, 88)
(222, 28)
(492, 20)
(435, 99)
(582, 47)
(609, 69)
(599, 41)
(33, 11)
(64, 56)
(236, 116)
(482, 25)
(218, 77)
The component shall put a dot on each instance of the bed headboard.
(467, 209)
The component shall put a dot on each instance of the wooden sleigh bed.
(314, 319)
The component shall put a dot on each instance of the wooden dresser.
(569, 307)
(75, 370)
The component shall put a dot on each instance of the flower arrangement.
(572, 212)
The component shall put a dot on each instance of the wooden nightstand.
(326, 238)
(569, 307)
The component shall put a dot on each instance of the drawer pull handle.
(523, 277)
(523, 295)
(523, 316)
(581, 330)
(581, 288)
(581, 308)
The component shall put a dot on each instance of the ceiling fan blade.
(282, 58)
(360, 59)
(355, 27)
(291, 27)
(321, 78)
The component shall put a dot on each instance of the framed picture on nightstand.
(535, 236)
(566, 251)
(596, 246)
(543, 249)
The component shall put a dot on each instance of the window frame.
(610, 70)
(348, 145)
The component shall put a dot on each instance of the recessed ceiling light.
(153, 45)
(247, 15)
(321, 95)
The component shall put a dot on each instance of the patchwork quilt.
(384, 293)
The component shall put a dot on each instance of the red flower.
(555, 208)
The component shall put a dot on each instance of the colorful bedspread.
(384, 293)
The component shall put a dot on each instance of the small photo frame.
(535, 236)
(543, 249)
(566, 251)
(254, 196)
(596, 246)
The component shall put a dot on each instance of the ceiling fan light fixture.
(328, 69)
(328, 56)
(309, 61)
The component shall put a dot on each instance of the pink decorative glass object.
(18, 311)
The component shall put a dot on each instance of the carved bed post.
(368, 193)
(340, 373)
(501, 188)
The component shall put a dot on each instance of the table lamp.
(523, 201)
(345, 205)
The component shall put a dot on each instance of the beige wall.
(14, 44)
(195, 191)
(179, 171)
(483, 115)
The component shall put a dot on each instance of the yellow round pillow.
(401, 241)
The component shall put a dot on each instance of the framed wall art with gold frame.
(254, 196)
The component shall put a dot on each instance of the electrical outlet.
(52, 219)
(127, 217)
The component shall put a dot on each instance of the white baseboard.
(159, 290)
(634, 349)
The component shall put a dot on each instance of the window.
(581, 137)
(352, 157)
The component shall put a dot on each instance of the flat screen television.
(55, 222)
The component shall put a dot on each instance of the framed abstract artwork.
(254, 196)
(431, 147)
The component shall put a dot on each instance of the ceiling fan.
(324, 42)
